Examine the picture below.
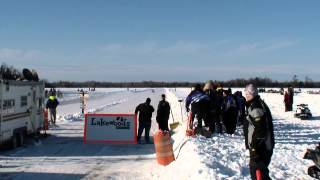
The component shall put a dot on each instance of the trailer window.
(8, 104)
(24, 101)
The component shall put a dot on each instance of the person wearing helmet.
(259, 134)
(199, 102)
(52, 104)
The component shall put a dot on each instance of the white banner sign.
(110, 128)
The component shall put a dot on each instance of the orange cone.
(163, 146)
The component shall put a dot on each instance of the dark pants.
(146, 127)
(199, 110)
(210, 120)
(53, 115)
(288, 107)
(242, 117)
(200, 117)
(259, 163)
(219, 121)
(245, 132)
(163, 125)
(230, 118)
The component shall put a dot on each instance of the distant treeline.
(260, 82)
(11, 73)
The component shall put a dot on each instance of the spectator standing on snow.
(199, 103)
(145, 111)
(219, 120)
(230, 112)
(241, 104)
(291, 94)
(287, 101)
(163, 114)
(259, 134)
(52, 104)
(210, 118)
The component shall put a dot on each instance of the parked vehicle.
(303, 112)
(314, 155)
(21, 107)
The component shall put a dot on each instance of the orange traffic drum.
(163, 146)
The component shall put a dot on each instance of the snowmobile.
(314, 155)
(303, 112)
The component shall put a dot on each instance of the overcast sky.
(137, 40)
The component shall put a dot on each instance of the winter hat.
(208, 85)
(251, 91)
(52, 97)
(197, 87)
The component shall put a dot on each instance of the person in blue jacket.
(199, 102)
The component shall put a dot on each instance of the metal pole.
(172, 114)
(180, 101)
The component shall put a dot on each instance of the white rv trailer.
(21, 108)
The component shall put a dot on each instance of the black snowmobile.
(303, 112)
(314, 155)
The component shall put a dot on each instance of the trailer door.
(33, 109)
(1, 114)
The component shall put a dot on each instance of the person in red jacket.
(287, 102)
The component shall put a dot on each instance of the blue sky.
(162, 40)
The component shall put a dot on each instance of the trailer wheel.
(21, 137)
(14, 141)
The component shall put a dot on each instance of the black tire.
(314, 172)
(21, 138)
(14, 141)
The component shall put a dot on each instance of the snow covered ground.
(64, 156)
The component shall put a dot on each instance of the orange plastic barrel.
(46, 119)
(163, 146)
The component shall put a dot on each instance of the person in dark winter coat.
(199, 102)
(219, 112)
(52, 104)
(230, 112)
(290, 100)
(241, 104)
(163, 114)
(211, 116)
(145, 111)
(259, 134)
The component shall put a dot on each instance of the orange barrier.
(163, 146)
(46, 119)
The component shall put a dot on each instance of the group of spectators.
(219, 109)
